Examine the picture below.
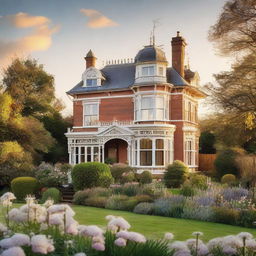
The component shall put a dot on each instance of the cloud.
(97, 19)
(39, 39)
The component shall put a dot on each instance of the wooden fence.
(206, 162)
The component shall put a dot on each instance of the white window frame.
(138, 107)
(148, 70)
(84, 114)
(94, 84)
(76, 154)
(190, 151)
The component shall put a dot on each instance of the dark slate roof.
(150, 53)
(122, 76)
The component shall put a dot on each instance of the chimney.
(178, 53)
(90, 59)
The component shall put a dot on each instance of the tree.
(31, 87)
(206, 143)
(235, 30)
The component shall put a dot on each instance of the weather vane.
(152, 35)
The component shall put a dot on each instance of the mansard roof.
(122, 76)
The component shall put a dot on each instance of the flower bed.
(49, 229)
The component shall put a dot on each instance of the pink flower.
(41, 244)
(120, 242)
(14, 251)
(98, 246)
(91, 230)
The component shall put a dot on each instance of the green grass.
(156, 226)
(174, 191)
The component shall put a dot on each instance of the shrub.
(145, 177)
(110, 160)
(225, 163)
(234, 193)
(175, 174)
(187, 190)
(206, 143)
(96, 201)
(229, 179)
(52, 193)
(23, 186)
(117, 171)
(144, 208)
(88, 175)
(144, 198)
(127, 177)
(226, 215)
(127, 189)
(198, 181)
(81, 196)
(247, 218)
(121, 202)
(154, 190)
(170, 206)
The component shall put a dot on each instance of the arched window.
(146, 152)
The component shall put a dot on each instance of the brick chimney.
(90, 59)
(178, 53)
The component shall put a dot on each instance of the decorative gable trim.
(115, 130)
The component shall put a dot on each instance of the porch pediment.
(115, 130)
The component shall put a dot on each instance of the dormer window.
(92, 77)
(148, 71)
(91, 82)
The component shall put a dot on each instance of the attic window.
(91, 82)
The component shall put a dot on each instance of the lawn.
(155, 226)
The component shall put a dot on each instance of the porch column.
(103, 153)
(129, 153)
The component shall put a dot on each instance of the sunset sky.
(58, 33)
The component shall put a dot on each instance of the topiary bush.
(23, 186)
(198, 181)
(93, 174)
(229, 179)
(118, 169)
(175, 174)
(51, 193)
(145, 177)
(225, 163)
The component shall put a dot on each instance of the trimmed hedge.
(229, 179)
(23, 186)
(93, 174)
(51, 193)
(176, 174)
(145, 177)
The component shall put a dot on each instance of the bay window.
(146, 152)
(190, 151)
(159, 152)
(148, 71)
(83, 154)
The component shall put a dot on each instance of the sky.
(59, 33)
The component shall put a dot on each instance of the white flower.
(56, 219)
(123, 234)
(98, 246)
(120, 242)
(14, 251)
(7, 196)
(245, 235)
(215, 242)
(168, 236)
(61, 208)
(179, 246)
(229, 250)
(119, 222)
(91, 230)
(20, 239)
(110, 217)
(80, 254)
(197, 233)
(48, 203)
(30, 199)
(6, 243)
(41, 244)
(7, 203)
(98, 239)
(72, 229)
(3, 228)
(182, 253)
(43, 226)
(251, 244)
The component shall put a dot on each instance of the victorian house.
(141, 112)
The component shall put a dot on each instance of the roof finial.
(152, 36)
(178, 33)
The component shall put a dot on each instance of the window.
(160, 71)
(151, 108)
(147, 108)
(91, 82)
(159, 152)
(91, 113)
(190, 152)
(83, 154)
(148, 71)
(146, 152)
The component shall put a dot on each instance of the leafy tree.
(31, 87)
(206, 143)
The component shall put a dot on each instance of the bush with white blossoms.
(49, 229)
